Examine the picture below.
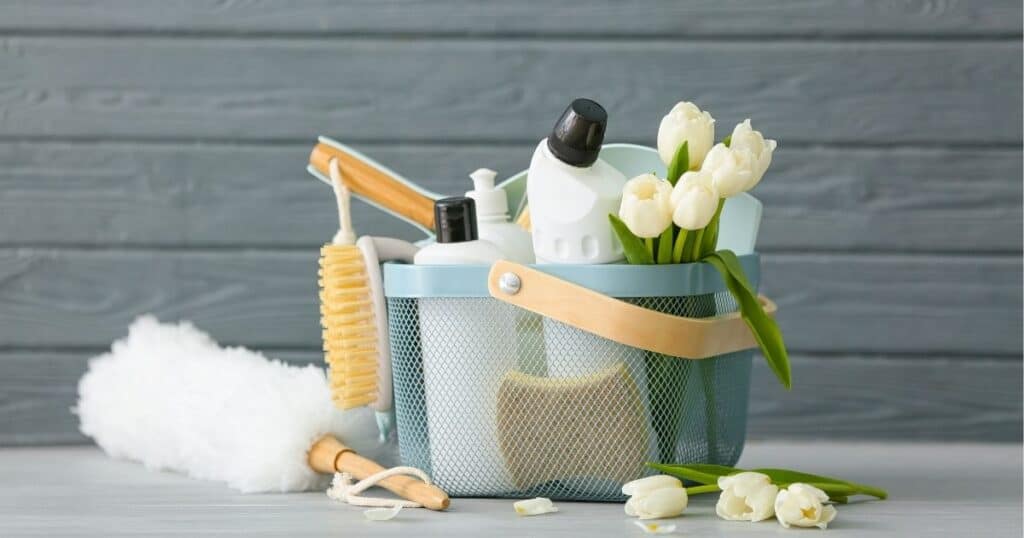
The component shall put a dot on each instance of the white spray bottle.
(493, 221)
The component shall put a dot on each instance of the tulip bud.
(660, 503)
(646, 206)
(745, 138)
(694, 200)
(686, 123)
(731, 169)
(642, 486)
(746, 496)
(801, 505)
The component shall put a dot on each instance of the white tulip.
(745, 138)
(686, 123)
(746, 496)
(646, 485)
(732, 169)
(694, 200)
(801, 505)
(646, 205)
(660, 503)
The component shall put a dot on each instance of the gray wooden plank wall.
(152, 154)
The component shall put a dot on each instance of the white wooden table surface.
(78, 491)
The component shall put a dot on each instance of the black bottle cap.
(455, 219)
(577, 137)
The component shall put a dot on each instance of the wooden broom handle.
(369, 182)
(622, 322)
(328, 455)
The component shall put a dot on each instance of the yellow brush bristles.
(349, 329)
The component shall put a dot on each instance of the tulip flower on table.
(794, 498)
(746, 496)
(655, 497)
(802, 505)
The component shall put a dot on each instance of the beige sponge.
(572, 429)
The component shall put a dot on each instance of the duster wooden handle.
(622, 322)
(369, 182)
(328, 455)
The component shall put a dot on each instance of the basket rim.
(614, 280)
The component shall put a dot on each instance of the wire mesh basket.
(563, 381)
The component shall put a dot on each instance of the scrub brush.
(353, 313)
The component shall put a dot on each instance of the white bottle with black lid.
(571, 191)
(457, 237)
(468, 346)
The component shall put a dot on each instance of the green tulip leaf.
(786, 476)
(838, 490)
(732, 262)
(634, 247)
(686, 473)
(765, 330)
(680, 163)
(825, 483)
(717, 470)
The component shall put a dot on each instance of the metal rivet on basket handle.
(619, 321)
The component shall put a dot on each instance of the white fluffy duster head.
(168, 396)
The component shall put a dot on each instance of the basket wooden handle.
(328, 455)
(369, 182)
(619, 321)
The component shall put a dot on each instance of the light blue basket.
(495, 401)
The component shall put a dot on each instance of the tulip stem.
(649, 243)
(706, 488)
(677, 252)
(695, 253)
(710, 239)
(665, 246)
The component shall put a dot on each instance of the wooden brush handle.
(328, 455)
(369, 182)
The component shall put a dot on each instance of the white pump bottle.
(493, 222)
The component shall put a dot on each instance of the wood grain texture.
(931, 305)
(857, 397)
(531, 17)
(835, 397)
(273, 89)
(863, 199)
(841, 303)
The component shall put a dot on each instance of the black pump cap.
(455, 219)
(577, 137)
